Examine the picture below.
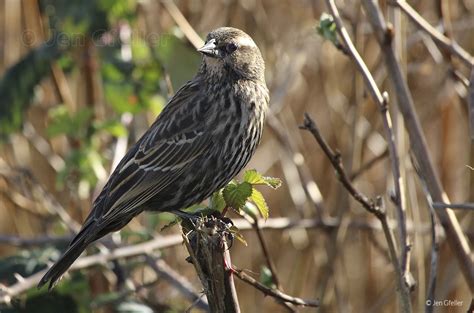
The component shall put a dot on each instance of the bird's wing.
(165, 151)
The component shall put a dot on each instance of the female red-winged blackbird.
(205, 135)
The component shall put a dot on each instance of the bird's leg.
(228, 268)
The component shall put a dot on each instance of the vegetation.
(360, 220)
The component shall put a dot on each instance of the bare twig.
(183, 24)
(269, 260)
(179, 282)
(275, 293)
(375, 207)
(456, 238)
(335, 159)
(366, 166)
(39, 193)
(433, 265)
(471, 103)
(266, 253)
(9, 292)
(381, 99)
(307, 183)
(447, 43)
(434, 242)
(460, 206)
(275, 223)
(35, 241)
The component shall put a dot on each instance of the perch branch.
(207, 247)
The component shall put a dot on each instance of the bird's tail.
(76, 247)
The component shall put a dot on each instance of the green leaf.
(327, 28)
(266, 277)
(235, 195)
(260, 202)
(255, 178)
(140, 50)
(156, 104)
(105, 298)
(121, 97)
(217, 201)
(115, 128)
(17, 86)
(70, 124)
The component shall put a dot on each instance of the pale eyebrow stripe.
(245, 41)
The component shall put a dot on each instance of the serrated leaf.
(217, 201)
(115, 128)
(236, 232)
(255, 178)
(235, 195)
(272, 182)
(260, 202)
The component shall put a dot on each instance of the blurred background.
(82, 80)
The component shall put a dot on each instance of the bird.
(204, 136)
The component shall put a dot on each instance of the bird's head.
(231, 51)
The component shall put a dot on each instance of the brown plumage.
(205, 135)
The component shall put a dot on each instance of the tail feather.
(77, 246)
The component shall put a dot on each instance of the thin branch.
(447, 43)
(179, 282)
(434, 242)
(307, 183)
(470, 103)
(274, 223)
(381, 99)
(460, 206)
(275, 293)
(7, 293)
(22, 242)
(375, 207)
(335, 159)
(433, 264)
(183, 24)
(269, 260)
(368, 165)
(266, 253)
(457, 240)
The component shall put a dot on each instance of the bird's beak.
(209, 49)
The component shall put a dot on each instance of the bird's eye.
(231, 47)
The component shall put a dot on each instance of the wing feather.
(164, 152)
